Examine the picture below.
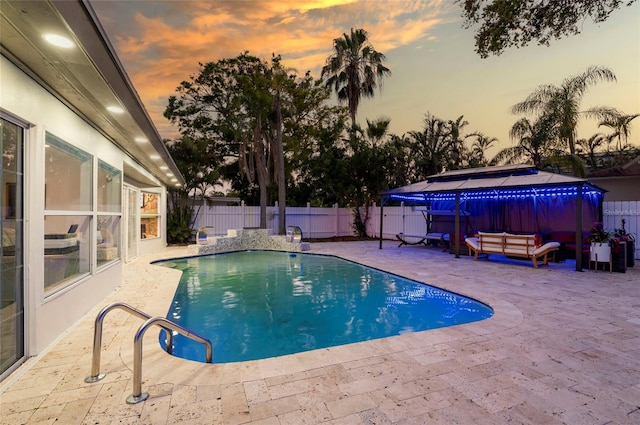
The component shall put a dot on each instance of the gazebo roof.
(496, 179)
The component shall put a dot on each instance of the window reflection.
(109, 188)
(68, 176)
(149, 216)
(108, 240)
(11, 249)
(67, 253)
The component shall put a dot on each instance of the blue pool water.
(260, 304)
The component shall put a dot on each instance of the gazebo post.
(456, 232)
(579, 228)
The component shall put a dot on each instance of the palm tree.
(280, 81)
(431, 147)
(621, 125)
(562, 104)
(533, 141)
(479, 147)
(457, 142)
(538, 144)
(354, 70)
(589, 147)
(377, 129)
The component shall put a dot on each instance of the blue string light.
(496, 194)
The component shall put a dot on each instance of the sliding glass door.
(11, 224)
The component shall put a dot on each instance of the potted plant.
(600, 244)
(629, 238)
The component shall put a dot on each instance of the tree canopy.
(516, 23)
(254, 114)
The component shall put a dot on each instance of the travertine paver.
(563, 347)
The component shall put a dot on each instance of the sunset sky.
(434, 66)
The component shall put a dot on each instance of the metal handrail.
(294, 234)
(138, 395)
(97, 337)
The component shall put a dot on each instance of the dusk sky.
(434, 66)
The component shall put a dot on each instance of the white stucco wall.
(48, 317)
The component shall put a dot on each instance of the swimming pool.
(260, 304)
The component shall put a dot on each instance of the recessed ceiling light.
(115, 109)
(154, 156)
(141, 139)
(169, 174)
(164, 167)
(178, 185)
(174, 179)
(58, 40)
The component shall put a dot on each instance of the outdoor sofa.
(524, 246)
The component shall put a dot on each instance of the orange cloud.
(166, 40)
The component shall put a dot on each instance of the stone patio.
(563, 347)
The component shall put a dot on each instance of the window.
(68, 177)
(109, 188)
(149, 216)
(77, 221)
(68, 213)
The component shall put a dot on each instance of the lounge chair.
(407, 239)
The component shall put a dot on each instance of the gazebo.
(510, 198)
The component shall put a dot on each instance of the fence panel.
(616, 211)
(219, 218)
(314, 222)
(400, 219)
(345, 222)
(323, 222)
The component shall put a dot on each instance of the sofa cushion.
(473, 242)
(545, 247)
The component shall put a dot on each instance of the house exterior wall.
(619, 188)
(49, 315)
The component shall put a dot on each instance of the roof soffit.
(87, 78)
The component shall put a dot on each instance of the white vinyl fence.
(314, 222)
(318, 222)
(615, 212)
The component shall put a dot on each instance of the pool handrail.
(97, 337)
(164, 323)
(294, 234)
